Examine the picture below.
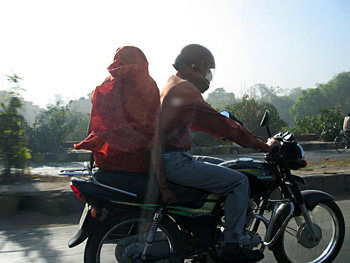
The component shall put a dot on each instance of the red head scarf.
(124, 114)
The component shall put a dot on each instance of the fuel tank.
(261, 175)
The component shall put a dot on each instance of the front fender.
(313, 197)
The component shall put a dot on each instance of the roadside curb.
(57, 199)
(337, 185)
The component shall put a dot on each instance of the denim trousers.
(203, 172)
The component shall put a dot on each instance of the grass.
(328, 164)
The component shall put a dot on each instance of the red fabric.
(183, 108)
(124, 114)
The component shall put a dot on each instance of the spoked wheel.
(340, 143)
(123, 240)
(296, 244)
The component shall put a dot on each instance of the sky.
(64, 47)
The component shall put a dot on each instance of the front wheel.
(295, 244)
(123, 240)
(340, 143)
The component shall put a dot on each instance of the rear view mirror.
(266, 120)
(225, 113)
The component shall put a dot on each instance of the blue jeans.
(202, 172)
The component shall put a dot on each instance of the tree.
(309, 103)
(334, 93)
(337, 91)
(50, 129)
(283, 100)
(80, 123)
(219, 98)
(250, 112)
(13, 153)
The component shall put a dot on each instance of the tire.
(102, 246)
(329, 219)
(340, 143)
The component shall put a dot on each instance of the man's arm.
(211, 121)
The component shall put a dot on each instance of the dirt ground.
(324, 167)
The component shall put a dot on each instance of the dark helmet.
(200, 60)
(194, 54)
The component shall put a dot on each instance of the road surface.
(47, 245)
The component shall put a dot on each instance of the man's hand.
(168, 195)
(274, 145)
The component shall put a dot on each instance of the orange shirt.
(183, 108)
(124, 116)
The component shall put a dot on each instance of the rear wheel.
(122, 240)
(296, 245)
(340, 143)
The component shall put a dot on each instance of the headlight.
(301, 152)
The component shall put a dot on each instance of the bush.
(50, 130)
(325, 125)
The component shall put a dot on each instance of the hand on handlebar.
(273, 145)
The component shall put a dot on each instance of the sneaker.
(234, 253)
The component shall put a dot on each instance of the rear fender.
(88, 225)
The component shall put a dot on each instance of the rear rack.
(87, 172)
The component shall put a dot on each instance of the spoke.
(291, 231)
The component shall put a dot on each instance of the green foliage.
(81, 123)
(326, 125)
(334, 93)
(281, 99)
(337, 91)
(219, 98)
(309, 103)
(250, 112)
(56, 125)
(13, 153)
(50, 129)
(203, 139)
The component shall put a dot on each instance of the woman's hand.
(168, 195)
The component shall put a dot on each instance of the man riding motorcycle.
(183, 108)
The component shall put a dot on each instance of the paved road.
(47, 245)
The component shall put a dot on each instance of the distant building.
(82, 105)
(28, 110)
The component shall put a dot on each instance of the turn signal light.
(95, 212)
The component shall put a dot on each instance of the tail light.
(77, 192)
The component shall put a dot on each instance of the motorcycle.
(297, 226)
